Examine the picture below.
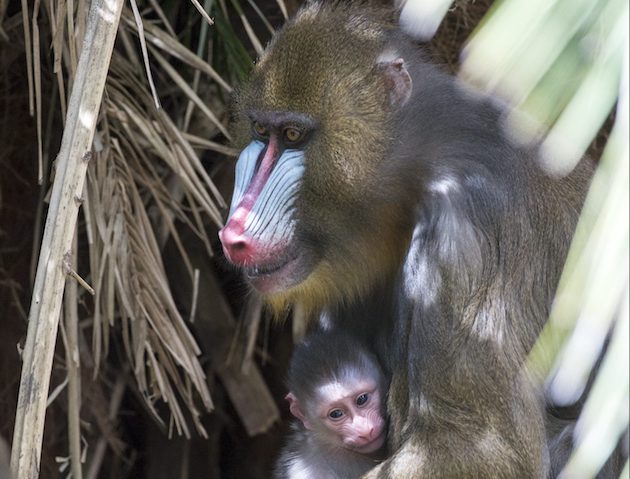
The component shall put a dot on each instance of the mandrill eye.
(362, 399)
(292, 135)
(335, 414)
(260, 130)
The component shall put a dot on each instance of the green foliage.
(563, 64)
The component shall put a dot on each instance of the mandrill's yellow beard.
(340, 282)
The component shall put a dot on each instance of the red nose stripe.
(238, 247)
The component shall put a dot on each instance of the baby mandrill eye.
(335, 414)
(362, 399)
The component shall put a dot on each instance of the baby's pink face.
(353, 414)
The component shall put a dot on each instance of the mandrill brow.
(375, 187)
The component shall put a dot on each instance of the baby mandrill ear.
(397, 80)
(296, 410)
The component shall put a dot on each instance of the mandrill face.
(307, 198)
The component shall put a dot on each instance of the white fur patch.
(298, 469)
(444, 185)
(422, 280)
(388, 56)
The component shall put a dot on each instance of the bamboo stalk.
(72, 160)
(73, 365)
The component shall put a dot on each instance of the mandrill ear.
(294, 407)
(397, 80)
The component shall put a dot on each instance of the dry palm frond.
(126, 180)
(174, 47)
(128, 272)
(145, 176)
(145, 159)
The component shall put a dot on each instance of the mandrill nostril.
(237, 247)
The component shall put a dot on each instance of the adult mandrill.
(372, 186)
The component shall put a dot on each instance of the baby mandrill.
(337, 391)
